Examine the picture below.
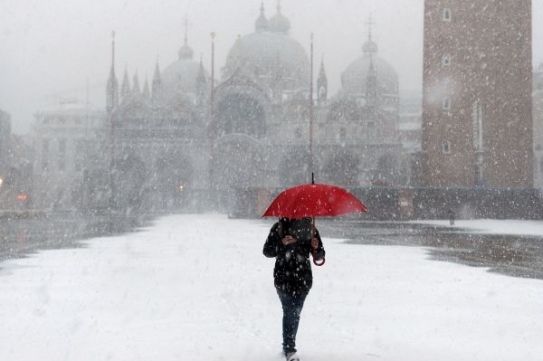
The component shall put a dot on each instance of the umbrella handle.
(313, 251)
(314, 254)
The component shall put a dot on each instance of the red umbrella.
(314, 200)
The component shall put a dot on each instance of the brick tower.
(477, 86)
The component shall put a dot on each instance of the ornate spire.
(201, 84)
(370, 47)
(125, 87)
(261, 24)
(157, 82)
(371, 85)
(186, 53)
(136, 85)
(279, 23)
(322, 84)
(201, 77)
(186, 29)
(112, 90)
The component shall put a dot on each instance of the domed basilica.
(256, 127)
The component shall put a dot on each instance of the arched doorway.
(235, 168)
(173, 181)
(129, 181)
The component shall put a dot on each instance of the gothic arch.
(241, 106)
(129, 181)
(172, 179)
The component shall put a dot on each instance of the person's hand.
(288, 240)
(315, 242)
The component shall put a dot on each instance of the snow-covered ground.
(494, 226)
(195, 287)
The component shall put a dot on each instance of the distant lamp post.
(1, 182)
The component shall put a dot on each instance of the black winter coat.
(292, 272)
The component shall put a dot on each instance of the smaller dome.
(261, 24)
(185, 52)
(279, 23)
(267, 53)
(354, 78)
(182, 76)
(370, 46)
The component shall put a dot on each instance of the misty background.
(60, 49)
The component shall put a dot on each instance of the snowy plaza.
(198, 287)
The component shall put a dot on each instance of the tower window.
(45, 153)
(446, 14)
(62, 154)
(446, 103)
(446, 147)
(446, 60)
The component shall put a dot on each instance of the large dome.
(181, 76)
(270, 53)
(354, 78)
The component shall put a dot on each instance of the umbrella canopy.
(314, 200)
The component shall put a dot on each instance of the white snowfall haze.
(194, 287)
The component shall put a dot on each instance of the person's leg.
(292, 308)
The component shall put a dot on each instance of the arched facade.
(256, 134)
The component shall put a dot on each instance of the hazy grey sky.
(50, 49)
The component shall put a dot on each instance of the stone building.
(538, 126)
(68, 138)
(175, 141)
(181, 142)
(160, 141)
(477, 101)
(5, 133)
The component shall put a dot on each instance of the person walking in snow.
(291, 242)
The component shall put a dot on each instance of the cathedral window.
(446, 16)
(446, 60)
(446, 147)
(342, 134)
(446, 104)
(45, 154)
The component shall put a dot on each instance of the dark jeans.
(292, 308)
